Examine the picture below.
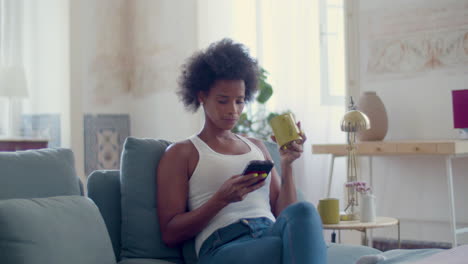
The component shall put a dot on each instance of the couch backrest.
(140, 235)
(38, 173)
(275, 155)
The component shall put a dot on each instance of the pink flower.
(360, 187)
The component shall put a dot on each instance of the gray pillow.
(38, 173)
(141, 237)
(54, 230)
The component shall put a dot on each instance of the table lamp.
(352, 122)
(13, 85)
(460, 112)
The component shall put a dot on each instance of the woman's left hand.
(293, 150)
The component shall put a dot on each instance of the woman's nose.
(233, 108)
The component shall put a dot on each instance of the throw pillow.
(54, 230)
(29, 174)
(141, 237)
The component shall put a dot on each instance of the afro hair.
(222, 60)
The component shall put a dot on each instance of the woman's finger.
(254, 187)
(256, 179)
(296, 147)
(251, 178)
(273, 138)
(304, 137)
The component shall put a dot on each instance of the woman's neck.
(208, 133)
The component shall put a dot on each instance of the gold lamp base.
(352, 122)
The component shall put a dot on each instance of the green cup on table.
(329, 210)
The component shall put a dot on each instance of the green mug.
(285, 129)
(329, 210)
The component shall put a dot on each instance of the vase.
(368, 208)
(370, 104)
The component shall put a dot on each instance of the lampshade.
(460, 108)
(354, 121)
(13, 82)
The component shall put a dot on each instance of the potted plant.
(255, 123)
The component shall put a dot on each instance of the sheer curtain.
(11, 32)
(285, 37)
(11, 55)
(35, 36)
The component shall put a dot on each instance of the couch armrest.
(104, 190)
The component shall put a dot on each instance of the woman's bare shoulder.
(181, 149)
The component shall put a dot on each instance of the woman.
(234, 218)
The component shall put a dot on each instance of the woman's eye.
(240, 102)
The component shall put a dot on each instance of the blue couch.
(44, 217)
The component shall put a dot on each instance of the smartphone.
(258, 166)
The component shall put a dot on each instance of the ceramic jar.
(368, 213)
(371, 104)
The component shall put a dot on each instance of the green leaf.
(266, 91)
(271, 116)
(256, 123)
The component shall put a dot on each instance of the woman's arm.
(176, 223)
(282, 189)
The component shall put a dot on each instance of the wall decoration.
(108, 52)
(42, 126)
(104, 135)
(415, 40)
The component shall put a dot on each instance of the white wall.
(418, 103)
(131, 53)
(125, 59)
(164, 35)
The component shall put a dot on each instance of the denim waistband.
(245, 226)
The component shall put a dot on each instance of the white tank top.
(212, 170)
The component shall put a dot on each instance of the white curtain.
(285, 37)
(11, 55)
(11, 32)
(34, 35)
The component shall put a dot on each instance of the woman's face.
(224, 103)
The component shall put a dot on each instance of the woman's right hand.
(237, 187)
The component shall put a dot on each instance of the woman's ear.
(201, 97)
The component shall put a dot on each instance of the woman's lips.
(230, 120)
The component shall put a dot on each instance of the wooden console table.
(450, 149)
(14, 144)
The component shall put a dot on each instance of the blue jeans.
(295, 237)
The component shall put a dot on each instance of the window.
(332, 55)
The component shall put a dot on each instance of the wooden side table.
(450, 149)
(15, 144)
(362, 227)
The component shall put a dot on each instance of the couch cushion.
(38, 173)
(104, 190)
(273, 149)
(55, 230)
(398, 256)
(144, 261)
(348, 254)
(140, 224)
